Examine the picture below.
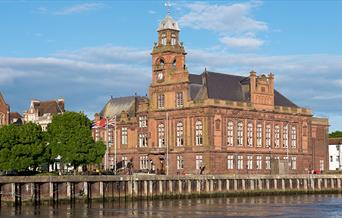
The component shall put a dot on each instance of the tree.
(22, 147)
(336, 134)
(69, 136)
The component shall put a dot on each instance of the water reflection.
(327, 205)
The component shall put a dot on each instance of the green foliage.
(69, 136)
(336, 134)
(22, 147)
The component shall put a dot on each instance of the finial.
(168, 6)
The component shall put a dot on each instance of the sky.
(88, 51)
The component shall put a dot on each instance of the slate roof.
(228, 87)
(115, 106)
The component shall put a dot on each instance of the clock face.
(160, 76)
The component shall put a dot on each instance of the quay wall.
(38, 189)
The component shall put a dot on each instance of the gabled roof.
(228, 87)
(48, 107)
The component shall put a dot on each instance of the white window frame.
(268, 136)
(259, 135)
(249, 162)
(259, 162)
(199, 162)
(199, 132)
(179, 134)
(268, 162)
(143, 140)
(161, 135)
(240, 133)
(124, 135)
(293, 163)
(230, 162)
(230, 133)
(250, 134)
(124, 161)
(180, 162)
(163, 38)
(143, 121)
(286, 136)
(293, 136)
(144, 162)
(161, 101)
(179, 100)
(240, 162)
(277, 136)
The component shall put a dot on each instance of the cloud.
(151, 12)
(244, 43)
(233, 22)
(87, 77)
(80, 8)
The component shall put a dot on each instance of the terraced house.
(212, 123)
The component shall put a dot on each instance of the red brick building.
(220, 123)
(4, 112)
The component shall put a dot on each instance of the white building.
(41, 112)
(335, 153)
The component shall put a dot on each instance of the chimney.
(271, 82)
(252, 78)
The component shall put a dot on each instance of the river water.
(325, 205)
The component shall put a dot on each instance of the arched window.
(161, 135)
(199, 132)
(180, 134)
(230, 133)
(174, 63)
(259, 135)
(268, 136)
(240, 133)
(161, 62)
(276, 136)
(250, 134)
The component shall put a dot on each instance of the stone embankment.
(39, 189)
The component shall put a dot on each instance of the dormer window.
(173, 39)
(163, 39)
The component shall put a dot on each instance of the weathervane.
(168, 6)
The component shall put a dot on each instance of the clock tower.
(169, 73)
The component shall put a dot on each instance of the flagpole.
(167, 143)
(115, 144)
(107, 144)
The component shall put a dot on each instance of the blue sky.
(87, 51)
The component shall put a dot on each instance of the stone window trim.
(259, 134)
(250, 133)
(268, 135)
(161, 134)
(180, 162)
(179, 100)
(161, 101)
(124, 135)
(240, 133)
(179, 134)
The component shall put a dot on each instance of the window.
(163, 39)
(124, 135)
(268, 163)
(199, 133)
(230, 133)
(250, 134)
(180, 134)
(331, 159)
(240, 162)
(199, 161)
(179, 99)
(277, 136)
(230, 162)
(286, 136)
(144, 162)
(259, 135)
(124, 161)
(142, 121)
(160, 101)
(174, 63)
(142, 140)
(294, 163)
(321, 165)
(337, 158)
(249, 162)
(259, 163)
(161, 135)
(173, 39)
(268, 136)
(97, 134)
(180, 162)
(293, 137)
(110, 136)
(240, 134)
